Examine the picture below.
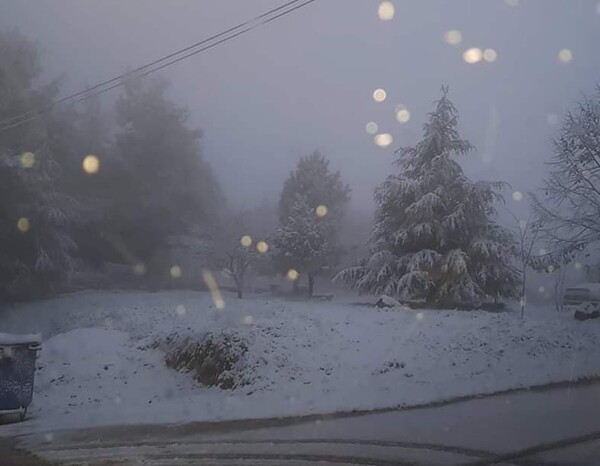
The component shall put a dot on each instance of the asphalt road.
(554, 427)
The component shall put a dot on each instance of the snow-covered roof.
(15, 339)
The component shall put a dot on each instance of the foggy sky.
(305, 82)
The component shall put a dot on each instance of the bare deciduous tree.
(570, 205)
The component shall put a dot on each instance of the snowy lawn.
(98, 365)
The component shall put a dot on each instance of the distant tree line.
(83, 186)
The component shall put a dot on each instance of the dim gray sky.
(306, 82)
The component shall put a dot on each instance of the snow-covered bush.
(434, 238)
(215, 359)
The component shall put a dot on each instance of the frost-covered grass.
(100, 363)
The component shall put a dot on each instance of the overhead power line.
(162, 62)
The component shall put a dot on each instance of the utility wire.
(147, 69)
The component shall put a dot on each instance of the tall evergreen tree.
(166, 187)
(434, 238)
(35, 247)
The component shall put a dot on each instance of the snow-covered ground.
(97, 367)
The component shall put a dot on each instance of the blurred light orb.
(522, 225)
(180, 310)
(386, 11)
(175, 271)
(139, 269)
(419, 316)
(517, 196)
(292, 275)
(453, 37)
(578, 265)
(246, 241)
(552, 119)
(27, 159)
(472, 55)
(321, 211)
(565, 56)
(262, 247)
(91, 164)
(49, 437)
(371, 127)
(23, 225)
(379, 95)
(383, 140)
(490, 55)
(512, 2)
(402, 114)
(248, 320)
(541, 289)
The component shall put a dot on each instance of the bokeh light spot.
(541, 289)
(23, 225)
(517, 196)
(180, 310)
(262, 247)
(383, 140)
(402, 114)
(212, 285)
(386, 11)
(139, 269)
(522, 225)
(472, 55)
(379, 95)
(248, 320)
(27, 159)
(175, 271)
(453, 37)
(246, 241)
(371, 127)
(578, 265)
(321, 211)
(292, 275)
(512, 2)
(565, 56)
(419, 316)
(490, 55)
(91, 164)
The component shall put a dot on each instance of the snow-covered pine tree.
(302, 241)
(312, 203)
(434, 238)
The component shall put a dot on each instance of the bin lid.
(16, 339)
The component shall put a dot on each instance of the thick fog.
(305, 82)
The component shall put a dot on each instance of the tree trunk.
(240, 287)
(311, 285)
(523, 293)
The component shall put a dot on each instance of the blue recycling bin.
(17, 368)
